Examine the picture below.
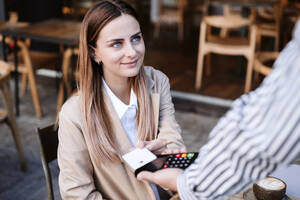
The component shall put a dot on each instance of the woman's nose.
(130, 50)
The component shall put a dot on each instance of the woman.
(120, 104)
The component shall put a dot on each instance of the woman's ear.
(93, 54)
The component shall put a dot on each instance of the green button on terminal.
(190, 155)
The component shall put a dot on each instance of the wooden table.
(11, 26)
(62, 32)
(53, 31)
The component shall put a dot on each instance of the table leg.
(16, 78)
(3, 48)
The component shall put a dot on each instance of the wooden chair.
(171, 15)
(67, 76)
(268, 24)
(48, 142)
(29, 62)
(209, 43)
(263, 57)
(8, 115)
(261, 60)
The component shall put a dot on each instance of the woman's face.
(120, 47)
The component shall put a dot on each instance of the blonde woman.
(120, 104)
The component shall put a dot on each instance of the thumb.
(145, 176)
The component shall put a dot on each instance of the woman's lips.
(130, 64)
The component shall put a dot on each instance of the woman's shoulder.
(155, 75)
(71, 108)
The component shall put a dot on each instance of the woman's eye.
(116, 45)
(136, 39)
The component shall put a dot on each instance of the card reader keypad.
(180, 160)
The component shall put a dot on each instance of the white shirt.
(127, 115)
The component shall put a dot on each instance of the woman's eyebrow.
(114, 40)
(134, 35)
(120, 40)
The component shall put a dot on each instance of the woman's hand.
(166, 178)
(174, 151)
(159, 146)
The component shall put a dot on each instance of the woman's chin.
(130, 75)
(132, 72)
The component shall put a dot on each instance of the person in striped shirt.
(258, 134)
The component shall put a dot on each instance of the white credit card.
(138, 158)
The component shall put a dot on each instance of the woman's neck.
(121, 88)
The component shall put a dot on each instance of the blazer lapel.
(155, 98)
(118, 130)
(155, 104)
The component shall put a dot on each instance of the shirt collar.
(118, 105)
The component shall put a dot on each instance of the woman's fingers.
(174, 151)
(167, 151)
(159, 146)
(156, 145)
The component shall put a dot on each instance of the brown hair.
(98, 127)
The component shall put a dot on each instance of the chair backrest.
(48, 142)
(231, 21)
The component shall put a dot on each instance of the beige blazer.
(79, 177)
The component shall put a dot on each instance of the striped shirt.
(260, 132)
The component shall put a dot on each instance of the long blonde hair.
(98, 125)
